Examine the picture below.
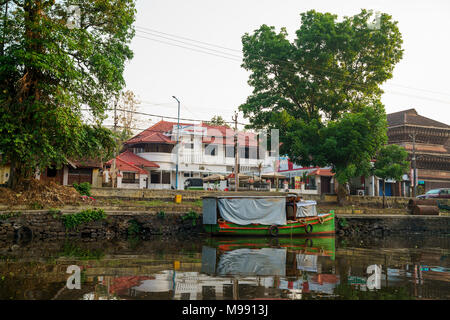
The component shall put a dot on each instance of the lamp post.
(178, 138)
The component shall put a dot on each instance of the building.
(76, 171)
(430, 141)
(307, 180)
(203, 150)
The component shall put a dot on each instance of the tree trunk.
(342, 194)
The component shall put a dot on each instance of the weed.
(71, 221)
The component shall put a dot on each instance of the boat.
(281, 268)
(242, 215)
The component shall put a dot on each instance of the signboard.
(297, 183)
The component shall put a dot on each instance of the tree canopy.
(50, 70)
(322, 90)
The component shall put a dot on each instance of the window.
(129, 177)
(229, 151)
(211, 150)
(155, 177)
(189, 146)
(166, 177)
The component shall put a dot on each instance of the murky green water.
(219, 268)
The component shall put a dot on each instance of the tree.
(126, 104)
(217, 121)
(326, 80)
(391, 163)
(50, 70)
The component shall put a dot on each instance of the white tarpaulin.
(260, 262)
(245, 211)
(306, 208)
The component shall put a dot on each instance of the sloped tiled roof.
(411, 117)
(156, 134)
(322, 172)
(126, 166)
(135, 160)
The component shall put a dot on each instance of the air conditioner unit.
(361, 193)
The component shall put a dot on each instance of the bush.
(83, 188)
(71, 221)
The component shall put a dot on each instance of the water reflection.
(204, 269)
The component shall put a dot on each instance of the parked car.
(193, 184)
(442, 193)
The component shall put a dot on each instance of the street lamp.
(178, 138)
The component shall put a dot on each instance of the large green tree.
(324, 81)
(53, 64)
(391, 163)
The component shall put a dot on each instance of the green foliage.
(134, 228)
(191, 215)
(217, 121)
(55, 213)
(6, 216)
(49, 71)
(83, 188)
(72, 221)
(322, 91)
(73, 250)
(161, 215)
(391, 162)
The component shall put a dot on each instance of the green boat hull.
(309, 226)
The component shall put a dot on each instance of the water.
(232, 269)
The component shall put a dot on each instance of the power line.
(226, 57)
(189, 39)
(192, 49)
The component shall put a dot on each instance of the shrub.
(71, 221)
(83, 188)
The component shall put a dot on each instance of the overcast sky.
(209, 84)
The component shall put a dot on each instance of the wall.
(40, 225)
(361, 226)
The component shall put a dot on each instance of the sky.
(215, 83)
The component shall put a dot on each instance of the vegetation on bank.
(72, 221)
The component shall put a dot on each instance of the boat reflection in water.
(252, 269)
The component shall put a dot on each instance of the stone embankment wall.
(360, 225)
(44, 225)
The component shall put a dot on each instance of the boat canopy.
(248, 210)
(306, 208)
(246, 262)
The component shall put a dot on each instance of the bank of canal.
(95, 224)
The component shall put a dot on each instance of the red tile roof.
(125, 166)
(224, 135)
(134, 159)
(321, 172)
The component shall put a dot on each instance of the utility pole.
(178, 138)
(236, 153)
(413, 136)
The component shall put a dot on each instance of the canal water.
(413, 267)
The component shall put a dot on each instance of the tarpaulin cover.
(261, 262)
(244, 211)
(306, 208)
(307, 262)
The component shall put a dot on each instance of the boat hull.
(322, 224)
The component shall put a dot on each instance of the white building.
(202, 150)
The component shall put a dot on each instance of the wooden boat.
(265, 216)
